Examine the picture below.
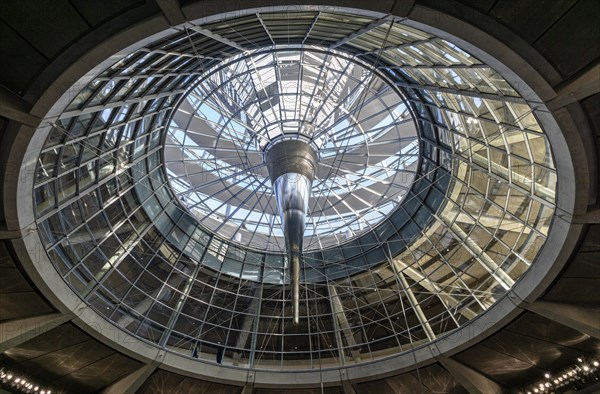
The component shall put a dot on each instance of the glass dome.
(357, 122)
(152, 204)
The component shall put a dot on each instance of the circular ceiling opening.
(357, 123)
(433, 189)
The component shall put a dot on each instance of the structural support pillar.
(132, 382)
(15, 332)
(248, 389)
(172, 11)
(581, 318)
(347, 387)
(13, 107)
(473, 381)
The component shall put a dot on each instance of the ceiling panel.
(98, 12)
(53, 340)
(101, 373)
(530, 19)
(567, 43)
(507, 370)
(171, 383)
(575, 290)
(48, 25)
(545, 355)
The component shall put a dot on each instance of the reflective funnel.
(291, 165)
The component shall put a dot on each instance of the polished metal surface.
(291, 165)
(291, 156)
(292, 191)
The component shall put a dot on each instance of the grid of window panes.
(358, 124)
(473, 222)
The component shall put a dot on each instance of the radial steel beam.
(478, 253)
(132, 382)
(262, 23)
(312, 25)
(472, 380)
(291, 165)
(217, 37)
(15, 332)
(172, 11)
(416, 307)
(512, 174)
(15, 108)
(359, 33)
(583, 318)
(576, 88)
(433, 288)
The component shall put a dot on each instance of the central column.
(292, 165)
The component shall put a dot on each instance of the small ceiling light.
(547, 375)
(595, 363)
(579, 359)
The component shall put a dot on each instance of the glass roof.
(125, 224)
(357, 122)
